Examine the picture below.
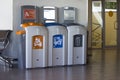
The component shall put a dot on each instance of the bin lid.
(20, 32)
(24, 25)
(53, 24)
(74, 24)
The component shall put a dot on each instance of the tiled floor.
(102, 65)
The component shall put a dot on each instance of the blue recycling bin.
(57, 53)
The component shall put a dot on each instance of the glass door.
(110, 23)
(104, 24)
(97, 24)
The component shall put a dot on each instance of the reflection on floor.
(102, 65)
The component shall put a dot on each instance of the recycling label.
(58, 41)
(78, 40)
(37, 42)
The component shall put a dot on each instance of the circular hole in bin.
(57, 58)
(77, 57)
(37, 59)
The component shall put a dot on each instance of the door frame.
(118, 24)
(103, 34)
(103, 29)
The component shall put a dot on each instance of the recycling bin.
(36, 46)
(21, 50)
(57, 53)
(77, 44)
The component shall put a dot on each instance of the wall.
(6, 19)
(82, 6)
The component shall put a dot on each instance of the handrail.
(96, 27)
(97, 35)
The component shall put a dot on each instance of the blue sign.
(57, 41)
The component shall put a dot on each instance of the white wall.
(82, 6)
(6, 15)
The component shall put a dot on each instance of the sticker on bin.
(37, 42)
(57, 41)
(78, 40)
(29, 14)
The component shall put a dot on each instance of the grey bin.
(21, 52)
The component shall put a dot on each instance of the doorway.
(104, 24)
